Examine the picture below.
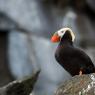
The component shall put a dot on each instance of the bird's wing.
(81, 56)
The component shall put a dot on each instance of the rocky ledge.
(20, 87)
(78, 85)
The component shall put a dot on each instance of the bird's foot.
(80, 72)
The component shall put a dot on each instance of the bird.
(73, 59)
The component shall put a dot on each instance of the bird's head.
(63, 34)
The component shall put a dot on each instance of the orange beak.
(55, 38)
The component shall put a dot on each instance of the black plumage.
(73, 59)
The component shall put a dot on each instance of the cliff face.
(78, 85)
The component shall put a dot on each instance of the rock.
(91, 4)
(6, 23)
(78, 85)
(20, 87)
(85, 28)
(31, 15)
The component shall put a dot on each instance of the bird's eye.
(62, 31)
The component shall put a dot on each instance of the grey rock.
(18, 55)
(32, 15)
(86, 31)
(78, 85)
(91, 3)
(6, 22)
(20, 87)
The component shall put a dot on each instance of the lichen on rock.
(78, 85)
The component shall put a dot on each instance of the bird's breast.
(62, 54)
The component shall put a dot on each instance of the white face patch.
(62, 31)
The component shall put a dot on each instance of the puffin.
(73, 59)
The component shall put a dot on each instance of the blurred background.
(26, 27)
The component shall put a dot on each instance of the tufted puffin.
(74, 60)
